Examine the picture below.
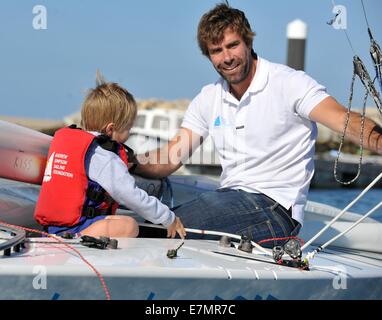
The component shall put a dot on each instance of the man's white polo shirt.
(265, 141)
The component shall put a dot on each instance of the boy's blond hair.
(108, 103)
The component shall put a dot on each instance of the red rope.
(281, 239)
(105, 288)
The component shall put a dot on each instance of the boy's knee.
(132, 229)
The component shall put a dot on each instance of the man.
(261, 117)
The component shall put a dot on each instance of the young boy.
(87, 174)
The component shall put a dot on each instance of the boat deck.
(140, 269)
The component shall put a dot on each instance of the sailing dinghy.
(229, 267)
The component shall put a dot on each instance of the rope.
(344, 134)
(282, 239)
(359, 70)
(209, 232)
(105, 288)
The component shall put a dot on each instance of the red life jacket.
(66, 192)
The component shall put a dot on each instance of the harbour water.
(340, 198)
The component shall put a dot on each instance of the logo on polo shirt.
(221, 122)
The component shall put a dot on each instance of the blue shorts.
(83, 224)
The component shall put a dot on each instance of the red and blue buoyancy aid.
(67, 193)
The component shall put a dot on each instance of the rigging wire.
(359, 70)
(312, 254)
(339, 215)
(364, 12)
(375, 52)
(344, 29)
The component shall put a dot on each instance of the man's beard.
(243, 74)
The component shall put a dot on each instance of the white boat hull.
(140, 269)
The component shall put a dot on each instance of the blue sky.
(150, 48)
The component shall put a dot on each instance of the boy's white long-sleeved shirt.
(110, 172)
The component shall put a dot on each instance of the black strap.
(107, 143)
(91, 212)
(111, 145)
(98, 196)
(95, 195)
(74, 126)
